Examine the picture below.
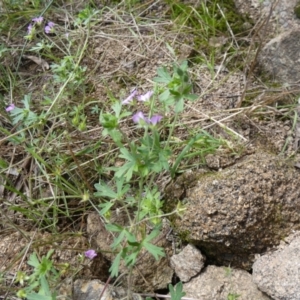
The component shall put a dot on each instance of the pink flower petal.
(155, 119)
(130, 97)
(145, 97)
(90, 254)
(38, 20)
(136, 118)
(10, 107)
(29, 29)
(49, 27)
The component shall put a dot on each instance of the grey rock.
(282, 16)
(188, 263)
(92, 289)
(278, 273)
(89, 289)
(218, 283)
(242, 210)
(280, 57)
(279, 31)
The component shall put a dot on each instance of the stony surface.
(282, 15)
(242, 210)
(219, 283)
(277, 273)
(278, 30)
(92, 289)
(280, 57)
(188, 263)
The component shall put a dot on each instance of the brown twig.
(105, 286)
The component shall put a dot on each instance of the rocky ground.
(237, 239)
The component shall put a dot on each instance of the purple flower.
(30, 32)
(30, 29)
(154, 119)
(49, 27)
(130, 97)
(38, 20)
(90, 254)
(145, 97)
(136, 118)
(10, 107)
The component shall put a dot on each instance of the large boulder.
(280, 57)
(277, 31)
(272, 17)
(221, 283)
(237, 212)
(277, 273)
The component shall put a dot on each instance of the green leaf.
(114, 269)
(127, 169)
(117, 107)
(108, 121)
(133, 244)
(49, 253)
(191, 97)
(117, 241)
(233, 296)
(35, 296)
(175, 93)
(105, 207)
(163, 76)
(130, 237)
(176, 291)
(164, 96)
(3, 163)
(121, 190)
(17, 114)
(154, 250)
(157, 252)
(116, 136)
(130, 166)
(184, 66)
(103, 190)
(179, 106)
(26, 101)
(130, 260)
(114, 227)
(45, 266)
(33, 260)
(45, 286)
(154, 233)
